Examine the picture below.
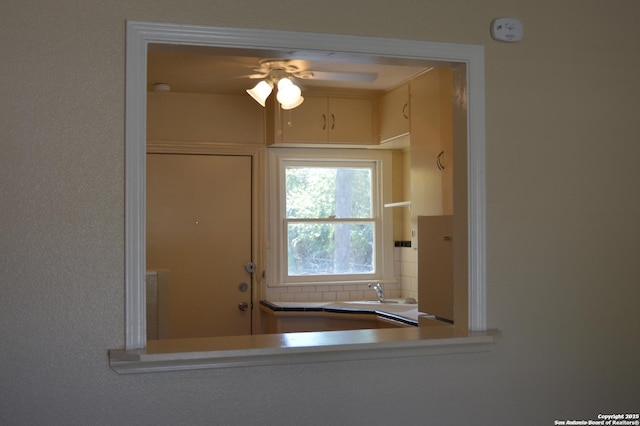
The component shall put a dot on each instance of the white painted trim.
(135, 183)
(261, 350)
(140, 34)
(476, 192)
(276, 268)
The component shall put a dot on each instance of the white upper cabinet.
(393, 107)
(323, 120)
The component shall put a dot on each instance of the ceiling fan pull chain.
(289, 122)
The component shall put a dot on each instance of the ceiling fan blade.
(256, 76)
(363, 77)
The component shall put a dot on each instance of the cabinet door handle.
(404, 111)
(333, 121)
(439, 161)
(324, 121)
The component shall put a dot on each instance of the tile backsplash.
(406, 285)
(406, 265)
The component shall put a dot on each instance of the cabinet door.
(394, 113)
(350, 120)
(446, 133)
(307, 123)
(435, 266)
(426, 178)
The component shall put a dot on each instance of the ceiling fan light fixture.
(288, 93)
(261, 92)
(292, 105)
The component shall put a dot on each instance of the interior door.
(199, 230)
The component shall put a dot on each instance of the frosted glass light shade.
(288, 94)
(293, 105)
(261, 92)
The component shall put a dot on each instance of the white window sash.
(378, 162)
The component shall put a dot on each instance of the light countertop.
(404, 312)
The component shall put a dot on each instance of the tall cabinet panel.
(435, 266)
(430, 124)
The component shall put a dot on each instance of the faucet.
(377, 286)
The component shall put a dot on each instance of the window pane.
(322, 192)
(330, 248)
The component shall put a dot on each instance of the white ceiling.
(196, 69)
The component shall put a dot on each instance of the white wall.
(562, 211)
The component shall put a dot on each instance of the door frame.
(257, 154)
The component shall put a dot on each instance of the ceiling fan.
(280, 72)
(294, 68)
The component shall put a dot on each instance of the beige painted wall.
(562, 223)
(203, 117)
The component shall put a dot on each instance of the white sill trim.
(295, 348)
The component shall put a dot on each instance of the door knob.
(250, 267)
(243, 306)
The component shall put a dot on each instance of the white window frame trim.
(140, 34)
(277, 267)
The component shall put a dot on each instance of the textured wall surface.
(562, 223)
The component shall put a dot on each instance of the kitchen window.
(327, 223)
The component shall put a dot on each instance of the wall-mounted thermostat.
(506, 29)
